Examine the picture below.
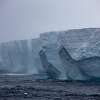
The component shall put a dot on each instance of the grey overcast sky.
(24, 19)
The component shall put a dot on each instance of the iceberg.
(64, 55)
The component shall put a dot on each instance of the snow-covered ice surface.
(64, 55)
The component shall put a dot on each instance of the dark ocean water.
(26, 87)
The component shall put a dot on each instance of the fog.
(24, 19)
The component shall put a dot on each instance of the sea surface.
(26, 87)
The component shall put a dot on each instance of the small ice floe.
(25, 93)
(15, 74)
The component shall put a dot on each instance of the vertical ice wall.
(73, 54)
(51, 45)
(21, 56)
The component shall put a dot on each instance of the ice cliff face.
(21, 56)
(68, 55)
